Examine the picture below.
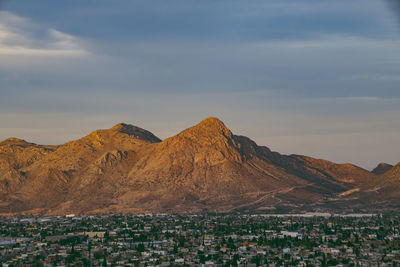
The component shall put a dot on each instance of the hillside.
(206, 167)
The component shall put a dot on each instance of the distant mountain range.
(203, 168)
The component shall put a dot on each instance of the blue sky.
(320, 78)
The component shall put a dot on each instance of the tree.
(235, 260)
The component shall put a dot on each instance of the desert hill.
(206, 167)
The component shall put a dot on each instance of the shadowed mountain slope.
(382, 168)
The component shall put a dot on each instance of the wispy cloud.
(21, 37)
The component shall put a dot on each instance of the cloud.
(21, 37)
(308, 76)
(330, 66)
(394, 5)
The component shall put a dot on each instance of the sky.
(311, 77)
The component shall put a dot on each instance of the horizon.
(302, 77)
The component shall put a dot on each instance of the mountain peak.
(209, 127)
(135, 131)
(122, 127)
(382, 168)
(212, 122)
(14, 140)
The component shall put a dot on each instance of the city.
(316, 239)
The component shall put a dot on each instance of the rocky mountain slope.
(382, 168)
(206, 167)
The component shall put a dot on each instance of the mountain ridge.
(204, 167)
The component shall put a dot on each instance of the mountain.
(382, 168)
(393, 173)
(390, 184)
(206, 167)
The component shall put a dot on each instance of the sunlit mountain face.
(205, 167)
